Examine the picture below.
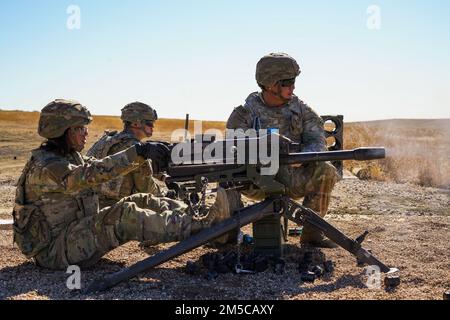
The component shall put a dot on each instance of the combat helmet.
(275, 67)
(59, 115)
(137, 112)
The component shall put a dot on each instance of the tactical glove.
(158, 152)
(172, 194)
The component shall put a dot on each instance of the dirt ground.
(409, 229)
(409, 226)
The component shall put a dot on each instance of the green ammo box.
(268, 237)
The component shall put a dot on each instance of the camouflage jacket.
(55, 190)
(138, 181)
(295, 120)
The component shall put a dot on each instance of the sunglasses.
(82, 130)
(149, 123)
(287, 82)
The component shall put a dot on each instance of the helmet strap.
(142, 128)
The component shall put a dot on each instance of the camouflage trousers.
(140, 217)
(313, 182)
(109, 198)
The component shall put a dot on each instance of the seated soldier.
(57, 220)
(138, 119)
(276, 107)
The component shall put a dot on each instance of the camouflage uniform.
(138, 181)
(297, 121)
(301, 124)
(57, 221)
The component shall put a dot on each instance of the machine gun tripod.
(274, 206)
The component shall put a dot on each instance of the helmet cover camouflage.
(275, 67)
(137, 112)
(59, 115)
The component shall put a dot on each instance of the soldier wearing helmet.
(57, 221)
(138, 119)
(276, 107)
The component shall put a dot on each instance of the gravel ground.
(409, 229)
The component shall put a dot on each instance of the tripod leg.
(306, 216)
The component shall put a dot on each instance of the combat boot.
(233, 202)
(218, 212)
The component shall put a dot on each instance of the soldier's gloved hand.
(172, 194)
(158, 152)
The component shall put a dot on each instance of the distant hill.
(441, 124)
(9, 115)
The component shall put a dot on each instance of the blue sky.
(199, 56)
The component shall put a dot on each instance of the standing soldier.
(57, 221)
(138, 122)
(276, 107)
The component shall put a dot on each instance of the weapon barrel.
(356, 154)
(187, 172)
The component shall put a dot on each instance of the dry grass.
(417, 150)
